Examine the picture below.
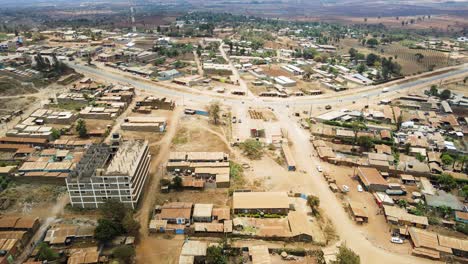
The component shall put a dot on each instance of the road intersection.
(302, 149)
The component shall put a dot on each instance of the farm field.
(405, 56)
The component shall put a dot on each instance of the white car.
(319, 168)
(345, 188)
(396, 240)
(359, 188)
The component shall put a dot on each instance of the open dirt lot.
(195, 133)
(7, 105)
(31, 198)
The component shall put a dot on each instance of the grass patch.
(181, 137)
(68, 106)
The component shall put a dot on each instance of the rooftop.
(260, 200)
(127, 158)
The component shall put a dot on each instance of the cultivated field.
(405, 56)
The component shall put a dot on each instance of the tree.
(81, 128)
(407, 148)
(215, 255)
(177, 183)
(371, 59)
(113, 210)
(46, 253)
(465, 191)
(420, 157)
(361, 68)
(347, 256)
(352, 53)
(447, 182)
(372, 42)
(124, 253)
(252, 148)
(446, 159)
(434, 91)
(314, 203)
(214, 111)
(365, 142)
(130, 225)
(445, 94)
(55, 133)
(106, 230)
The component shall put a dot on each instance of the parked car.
(328, 107)
(319, 168)
(359, 188)
(396, 240)
(345, 188)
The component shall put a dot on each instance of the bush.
(81, 128)
(124, 253)
(462, 228)
(347, 256)
(46, 253)
(107, 230)
(214, 255)
(434, 220)
(252, 148)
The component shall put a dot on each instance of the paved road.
(370, 253)
(204, 98)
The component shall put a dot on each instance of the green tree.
(252, 148)
(347, 256)
(46, 253)
(462, 228)
(465, 191)
(81, 128)
(361, 68)
(113, 210)
(434, 91)
(372, 42)
(106, 230)
(177, 183)
(214, 111)
(420, 157)
(407, 148)
(371, 59)
(55, 134)
(314, 203)
(353, 53)
(124, 254)
(215, 255)
(447, 182)
(365, 142)
(445, 94)
(130, 225)
(446, 159)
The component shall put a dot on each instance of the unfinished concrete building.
(106, 172)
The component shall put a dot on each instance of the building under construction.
(108, 172)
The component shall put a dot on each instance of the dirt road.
(145, 253)
(346, 229)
